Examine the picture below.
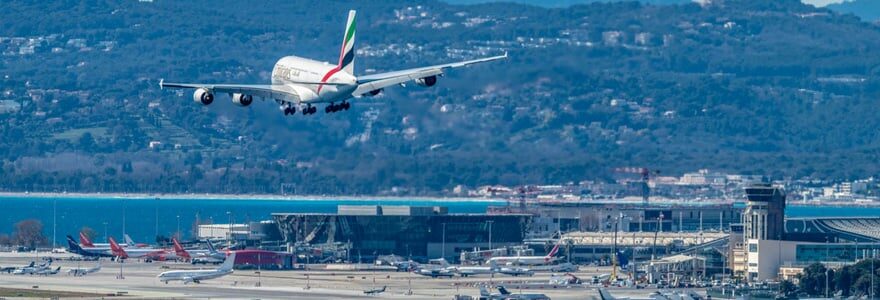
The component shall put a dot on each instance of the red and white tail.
(84, 240)
(116, 250)
(553, 252)
(178, 249)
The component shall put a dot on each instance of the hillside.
(759, 87)
(868, 10)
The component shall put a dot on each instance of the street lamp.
(105, 230)
(178, 227)
(490, 233)
(443, 245)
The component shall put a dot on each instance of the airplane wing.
(269, 91)
(373, 82)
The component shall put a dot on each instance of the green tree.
(86, 141)
(29, 233)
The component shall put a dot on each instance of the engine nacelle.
(427, 81)
(203, 96)
(375, 92)
(242, 100)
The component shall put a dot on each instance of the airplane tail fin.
(229, 263)
(128, 240)
(210, 246)
(484, 292)
(178, 249)
(503, 290)
(72, 245)
(85, 240)
(605, 295)
(116, 249)
(553, 252)
(346, 55)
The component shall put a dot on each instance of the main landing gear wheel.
(309, 110)
(290, 110)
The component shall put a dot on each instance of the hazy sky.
(822, 2)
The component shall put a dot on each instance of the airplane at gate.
(300, 82)
(525, 260)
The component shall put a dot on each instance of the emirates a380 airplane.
(300, 82)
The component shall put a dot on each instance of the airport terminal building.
(420, 232)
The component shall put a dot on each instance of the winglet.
(162, 80)
(505, 54)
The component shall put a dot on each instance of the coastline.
(224, 197)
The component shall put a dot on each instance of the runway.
(138, 281)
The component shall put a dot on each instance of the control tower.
(764, 216)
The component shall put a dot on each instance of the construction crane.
(646, 178)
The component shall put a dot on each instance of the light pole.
(54, 223)
(229, 229)
(123, 217)
(443, 244)
(105, 230)
(490, 233)
(178, 228)
(157, 217)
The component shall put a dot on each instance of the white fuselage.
(470, 271)
(521, 260)
(192, 276)
(290, 69)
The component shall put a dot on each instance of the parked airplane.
(436, 268)
(210, 256)
(471, 271)
(31, 269)
(605, 295)
(73, 247)
(197, 276)
(504, 294)
(525, 260)
(84, 271)
(516, 271)
(148, 253)
(300, 82)
(375, 291)
(47, 271)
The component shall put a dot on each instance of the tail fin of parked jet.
(178, 249)
(210, 246)
(229, 263)
(346, 55)
(605, 295)
(84, 240)
(116, 249)
(484, 291)
(128, 240)
(503, 290)
(72, 246)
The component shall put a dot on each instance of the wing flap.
(372, 82)
(270, 91)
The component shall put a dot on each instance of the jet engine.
(203, 96)
(427, 81)
(375, 92)
(242, 100)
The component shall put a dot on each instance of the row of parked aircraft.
(46, 269)
(505, 265)
(141, 251)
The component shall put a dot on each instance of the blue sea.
(141, 214)
(100, 214)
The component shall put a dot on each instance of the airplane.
(605, 295)
(375, 291)
(504, 294)
(47, 271)
(471, 271)
(436, 268)
(210, 256)
(516, 271)
(301, 82)
(31, 269)
(75, 248)
(196, 276)
(525, 260)
(84, 271)
(148, 253)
